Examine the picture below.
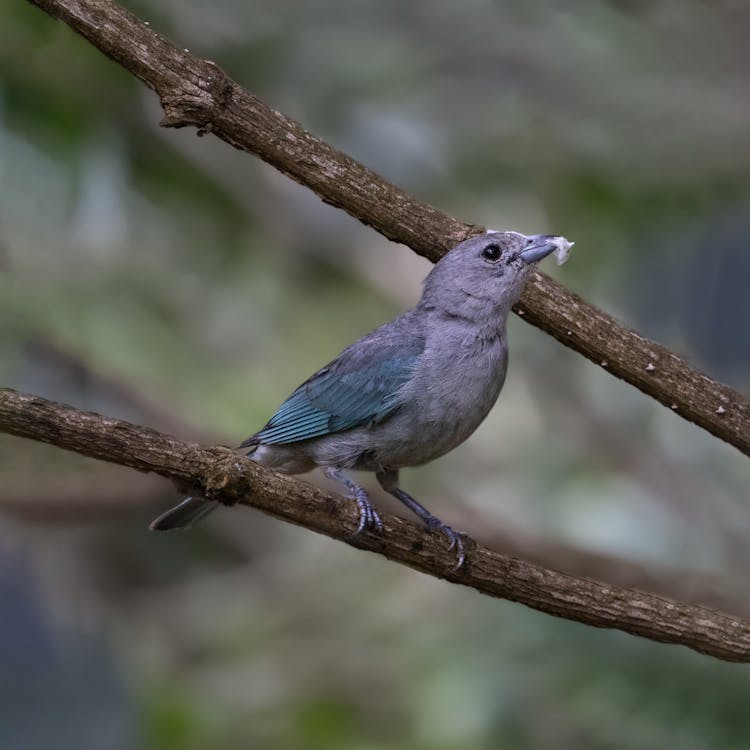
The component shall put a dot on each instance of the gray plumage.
(408, 392)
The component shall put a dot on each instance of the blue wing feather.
(360, 387)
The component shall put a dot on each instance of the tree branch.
(690, 586)
(221, 474)
(196, 92)
(104, 495)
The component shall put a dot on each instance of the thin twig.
(196, 92)
(221, 474)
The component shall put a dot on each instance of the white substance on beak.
(562, 249)
(562, 246)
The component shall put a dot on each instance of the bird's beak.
(539, 246)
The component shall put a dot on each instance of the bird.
(408, 392)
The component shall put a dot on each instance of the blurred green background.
(173, 281)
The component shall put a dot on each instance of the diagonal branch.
(219, 473)
(198, 93)
(105, 495)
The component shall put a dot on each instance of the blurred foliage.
(168, 279)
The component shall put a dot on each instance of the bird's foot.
(455, 539)
(368, 516)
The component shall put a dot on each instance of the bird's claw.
(368, 516)
(455, 539)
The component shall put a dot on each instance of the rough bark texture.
(219, 473)
(104, 494)
(196, 92)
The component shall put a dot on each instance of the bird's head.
(485, 275)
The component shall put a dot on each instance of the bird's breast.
(452, 391)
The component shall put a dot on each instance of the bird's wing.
(360, 387)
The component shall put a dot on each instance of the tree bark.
(196, 92)
(219, 473)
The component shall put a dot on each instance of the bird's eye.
(491, 252)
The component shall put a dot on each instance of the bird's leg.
(368, 516)
(389, 482)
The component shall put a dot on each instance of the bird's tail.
(193, 509)
(185, 514)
